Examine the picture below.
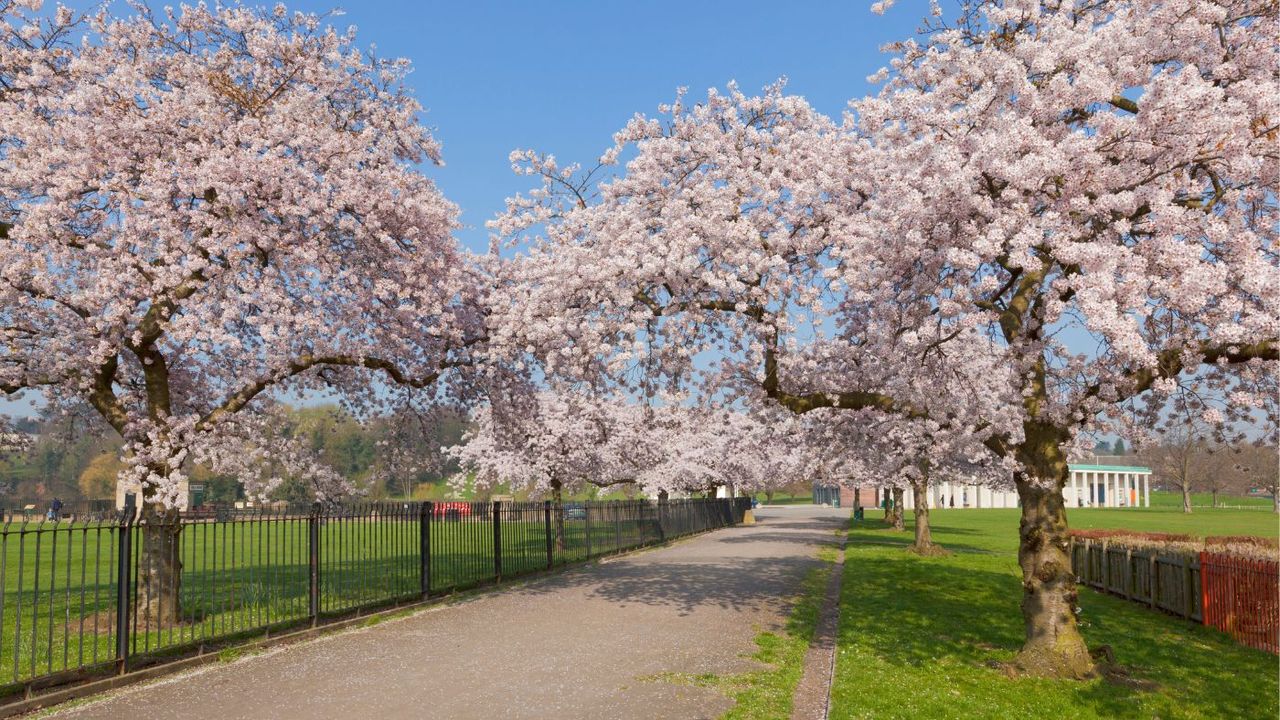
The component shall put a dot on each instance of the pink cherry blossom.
(199, 206)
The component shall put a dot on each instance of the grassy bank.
(922, 637)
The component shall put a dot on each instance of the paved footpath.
(584, 643)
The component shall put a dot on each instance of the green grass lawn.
(1200, 523)
(1198, 500)
(919, 636)
(786, 499)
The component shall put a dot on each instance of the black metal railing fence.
(199, 580)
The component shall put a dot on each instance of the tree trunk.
(1053, 645)
(1186, 498)
(768, 496)
(159, 568)
(664, 509)
(557, 512)
(923, 544)
(1215, 497)
(898, 515)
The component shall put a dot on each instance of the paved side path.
(582, 644)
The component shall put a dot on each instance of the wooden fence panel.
(1237, 595)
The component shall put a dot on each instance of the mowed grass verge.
(923, 637)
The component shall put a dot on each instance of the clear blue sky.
(562, 77)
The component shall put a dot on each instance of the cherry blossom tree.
(550, 442)
(558, 441)
(544, 443)
(915, 454)
(201, 206)
(1084, 184)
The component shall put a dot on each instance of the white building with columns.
(1108, 486)
(1103, 486)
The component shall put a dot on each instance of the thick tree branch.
(245, 395)
(1170, 363)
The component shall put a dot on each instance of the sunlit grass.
(923, 637)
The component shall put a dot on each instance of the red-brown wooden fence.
(1242, 597)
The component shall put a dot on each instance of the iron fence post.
(424, 545)
(124, 575)
(313, 562)
(546, 514)
(497, 540)
(586, 519)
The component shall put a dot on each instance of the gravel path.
(581, 644)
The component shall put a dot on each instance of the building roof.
(1139, 469)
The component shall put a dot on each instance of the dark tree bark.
(898, 519)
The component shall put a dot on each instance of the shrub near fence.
(66, 616)
(1239, 595)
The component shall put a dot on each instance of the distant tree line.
(73, 455)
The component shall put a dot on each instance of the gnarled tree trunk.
(898, 519)
(159, 567)
(1186, 498)
(1053, 645)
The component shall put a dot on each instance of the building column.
(1093, 493)
(1146, 490)
(1128, 490)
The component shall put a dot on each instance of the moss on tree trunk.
(1053, 646)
